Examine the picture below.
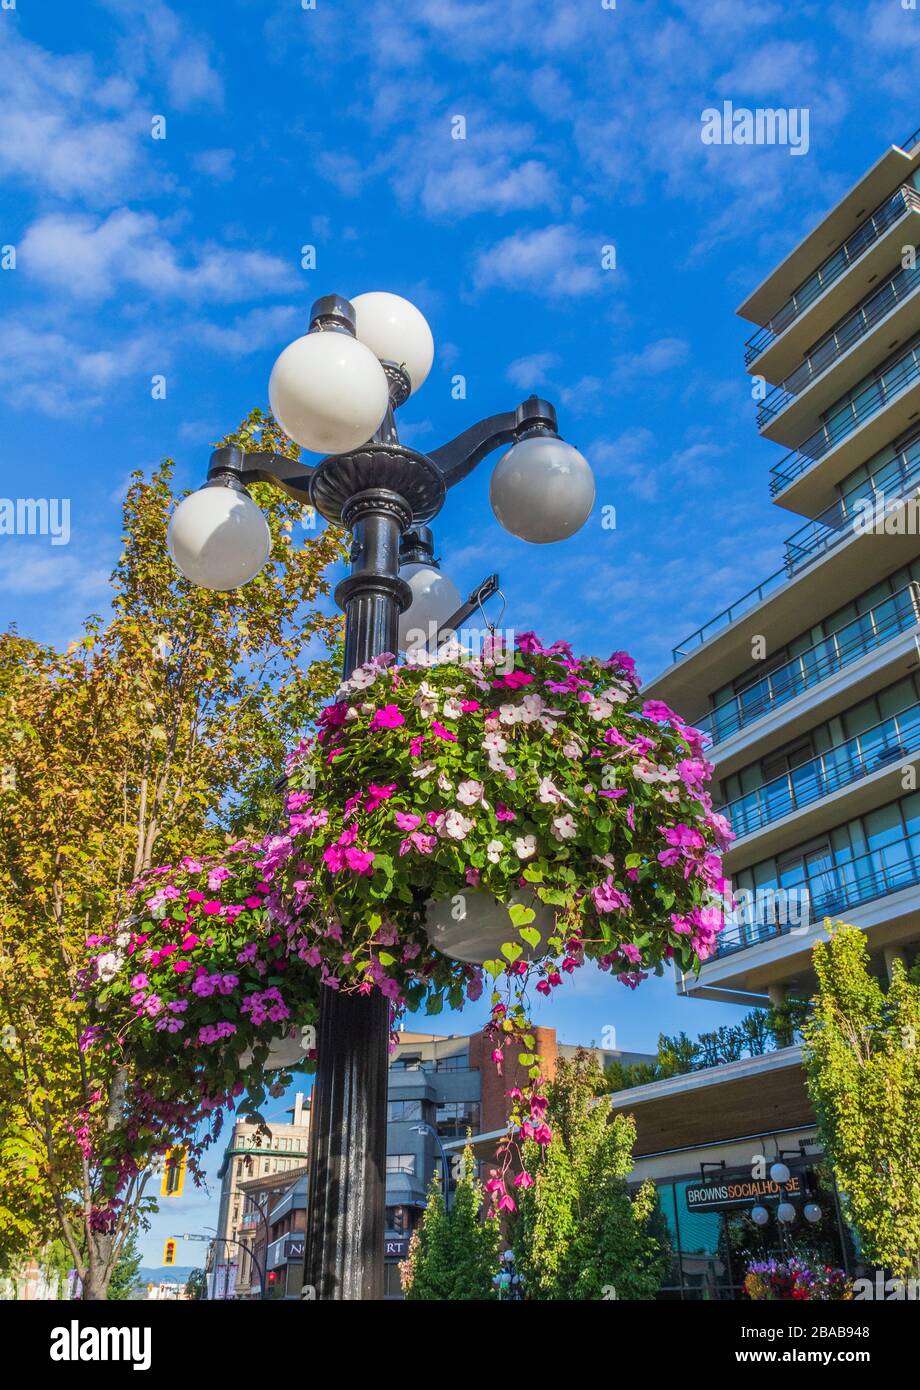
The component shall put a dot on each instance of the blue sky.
(331, 127)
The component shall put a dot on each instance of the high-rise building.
(809, 685)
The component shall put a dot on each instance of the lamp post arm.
(261, 467)
(456, 459)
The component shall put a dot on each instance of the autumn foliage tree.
(163, 728)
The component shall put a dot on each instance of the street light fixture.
(336, 390)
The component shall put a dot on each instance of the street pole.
(345, 1223)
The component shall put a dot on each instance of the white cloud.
(58, 374)
(215, 164)
(531, 371)
(553, 260)
(89, 259)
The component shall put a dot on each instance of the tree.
(196, 1285)
(164, 726)
(862, 1063)
(579, 1232)
(125, 1280)
(454, 1254)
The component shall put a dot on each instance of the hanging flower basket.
(502, 820)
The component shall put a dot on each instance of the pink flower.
(253, 902)
(359, 861)
(415, 745)
(502, 812)
(406, 820)
(377, 795)
(515, 680)
(389, 717)
(212, 908)
(440, 732)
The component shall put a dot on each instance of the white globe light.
(473, 926)
(812, 1212)
(435, 598)
(542, 489)
(779, 1172)
(218, 538)
(785, 1212)
(395, 331)
(328, 392)
(760, 1216)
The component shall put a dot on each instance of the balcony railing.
(849, 762)
(869, 631)
(831, 892)
(900, 477)
(830, 270)
(842, 337)
(903, 373)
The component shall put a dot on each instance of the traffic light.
(173, 1172)
(169, 1253)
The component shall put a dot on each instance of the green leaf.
(512, 951)
(531, 936)
(521, 915)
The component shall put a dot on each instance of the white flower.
(550, 794)
(525, 846)
(362, 678)
(564, 827)
(615, 695)
(599, 709)
(427, 700)
(532, 706)
(494, 743)
(571, 750)
(123, 940)
(468, 793)
(445, 783)
(549, 725)
(455, 825)
(423, 770)
(452, 708)
(509, 714)
(108, 966)
(494, 851)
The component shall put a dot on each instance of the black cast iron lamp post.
(337, 389)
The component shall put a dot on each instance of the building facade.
(251, 1153)
(809, 686)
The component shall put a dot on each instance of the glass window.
(399, 1110)
(454, 1118)
(401, 1163)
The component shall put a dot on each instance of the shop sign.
(739, 1192)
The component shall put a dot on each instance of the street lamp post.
(335, 391)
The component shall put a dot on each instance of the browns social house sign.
(739, 1191)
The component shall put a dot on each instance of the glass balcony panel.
(833, 888)
(871, 630)
(850, 761)
(830, 270)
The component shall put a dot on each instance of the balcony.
(883, 744)
(870, 630)
(902, 202)
(876, 312)
(835, 524)
(897, 380)
(834, 891)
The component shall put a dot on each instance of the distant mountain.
(159, 1275)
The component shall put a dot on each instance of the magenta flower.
(440, 732)
(406, 820)
(377, 795)
(389, 717)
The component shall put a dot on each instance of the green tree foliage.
(755, 1034)
(161, 729)
(579, 1232)
(862, 1064)
(125, 1280)
(454, 1254)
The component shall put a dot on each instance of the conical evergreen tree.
(453, 1255)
